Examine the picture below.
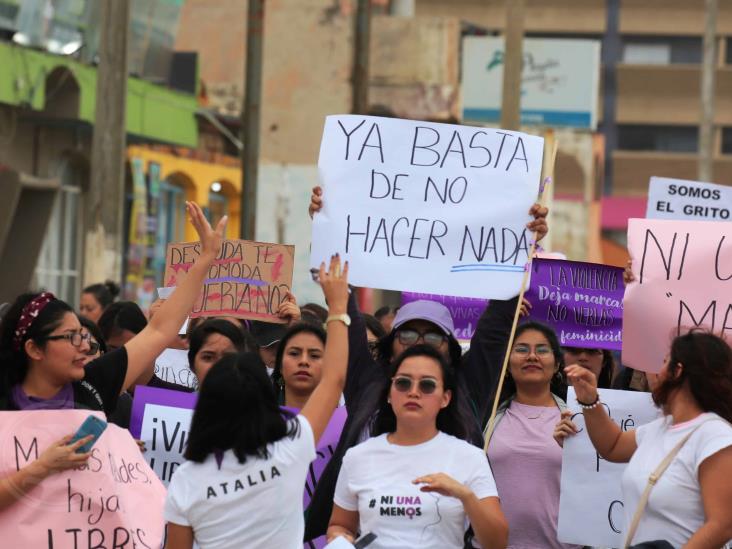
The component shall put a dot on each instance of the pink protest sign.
(114, 500)
(683, 280)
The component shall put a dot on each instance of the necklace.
(526, 415)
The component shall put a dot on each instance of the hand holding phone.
(92, 426)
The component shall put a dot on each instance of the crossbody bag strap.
(652, 480)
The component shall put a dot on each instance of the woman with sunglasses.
(43, 358)
(525, 459)
(415, 482)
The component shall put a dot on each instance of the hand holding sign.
(565, 428)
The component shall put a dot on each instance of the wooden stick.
(550, 155)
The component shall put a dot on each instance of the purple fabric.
(63, 400)
(583, 302)
(424, 309)
(464, 311)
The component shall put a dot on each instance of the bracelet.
(590, 405)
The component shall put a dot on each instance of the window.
(218, 207)
(59, 263)
(642, 50)
(171, 222)
(726, 140)
(658, 138)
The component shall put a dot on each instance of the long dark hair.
(222, 327)
(605, 379)
(296, 329)
(14, 363)
(122, 315)
(557, 385)
(105, 293)
(451, 419)
(707, 368)
(237, 410)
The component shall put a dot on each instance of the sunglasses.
(93, 348)
(411, 337)
(426, 385)
(579, 350)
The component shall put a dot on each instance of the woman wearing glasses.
(525, 459)
(415, 482)
(43, 356)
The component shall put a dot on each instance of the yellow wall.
(196, 176)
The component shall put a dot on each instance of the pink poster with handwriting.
(114, 500)
(683, 280)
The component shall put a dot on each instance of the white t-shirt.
(376, 480)
(255, 504)
(674, 511)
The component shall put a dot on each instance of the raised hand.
(565, 428)
(316, 201)
(583, 381)
(288, 309)
(334, 282)
(539, 224)
(443, 484)
(210, 239)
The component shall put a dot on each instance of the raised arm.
(609, 440)
(150, 342)
(324, 399)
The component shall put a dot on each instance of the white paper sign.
(692, 200)
(591, 508)
(172, 366)
(165, 293)
(165, 433)
(424, 207)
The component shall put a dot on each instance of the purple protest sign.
(465, 311)
(583, 302)
(159, 397)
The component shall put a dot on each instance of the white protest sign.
(424, 207)
(172, 366)
(162, 419)
(591, 510)
(692, 200)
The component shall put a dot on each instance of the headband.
(28, 316)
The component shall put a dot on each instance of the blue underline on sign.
(486, 267)
(251, 281)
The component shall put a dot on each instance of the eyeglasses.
(539, 350)
(93, 348)
(579, 350)
(411, 337)
(75, 338)
(426, 385)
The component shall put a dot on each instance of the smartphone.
(365, 540)
(92, 426)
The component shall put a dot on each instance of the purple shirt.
(63, 400)
(527, 466)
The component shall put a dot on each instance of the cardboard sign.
(591, 508)
(583, 302)
(465, 311)
(683, 280)
(172, 366)
(448, 202)
(247, 279)
(692, 200)
(161, 419)
(114, 500)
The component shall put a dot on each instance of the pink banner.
(683, 279)
(114, 500)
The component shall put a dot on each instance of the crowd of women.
(409, 469)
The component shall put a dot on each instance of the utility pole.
(361, 58)
(512, 65)
(104, 223)
(250, 118)
(708, 78)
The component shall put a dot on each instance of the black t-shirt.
(101, 386)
